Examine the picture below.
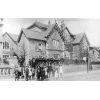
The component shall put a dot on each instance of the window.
(5, 45)
(39, 47)
(93, 51)
(55, 43)
(47, 53)
(5, 56)
(56, 56)
(47, 45)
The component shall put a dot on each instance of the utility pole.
(88, 60)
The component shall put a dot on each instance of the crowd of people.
(41, 71)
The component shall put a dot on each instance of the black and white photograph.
(49, 49)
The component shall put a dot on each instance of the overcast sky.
(90, 26)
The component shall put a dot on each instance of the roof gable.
(79, 37)
(30, 34)
(13, 37)
(69, 31)
(39, 25)
(51, 28)
(64, 33)
(96, 48)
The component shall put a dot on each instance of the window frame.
(5, 46)
(39, 48)
(5, 56)
(55, 43)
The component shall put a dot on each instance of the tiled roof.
(14, 37)
(31, 34)
(96, 48)
(50, 27)
(38, 24)
(78, 38)
(69, 31)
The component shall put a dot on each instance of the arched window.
(5, 45)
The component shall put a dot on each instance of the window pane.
(5, 45)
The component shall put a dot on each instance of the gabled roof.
(69, 31)
(50, 29)
(78, 38)
(63, 36)
(13, 37)
(31, 34)
(96, 48)
(38, 24)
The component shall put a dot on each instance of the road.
(80, 76)
(79, 73)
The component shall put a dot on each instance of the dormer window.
(5, 45)
(39, 47)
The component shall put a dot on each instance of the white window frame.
(55, 43)
(47, 45)
(5, 46)
(5, 56)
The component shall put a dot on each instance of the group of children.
(42, 71)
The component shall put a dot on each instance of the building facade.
(41, 40)
(31, 42)
(53, 41)
(76, 44)
(94, 54)
(8, 46)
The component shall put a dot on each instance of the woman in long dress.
(56, 71)
(30, 73)
(60, 71)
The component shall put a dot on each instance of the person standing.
(60, 70)
(27, 73)
(56, 71)
(30, 73)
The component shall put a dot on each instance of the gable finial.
(62, 24)
(49, 23)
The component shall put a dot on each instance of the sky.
(90, 26)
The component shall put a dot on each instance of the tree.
(22, 53)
